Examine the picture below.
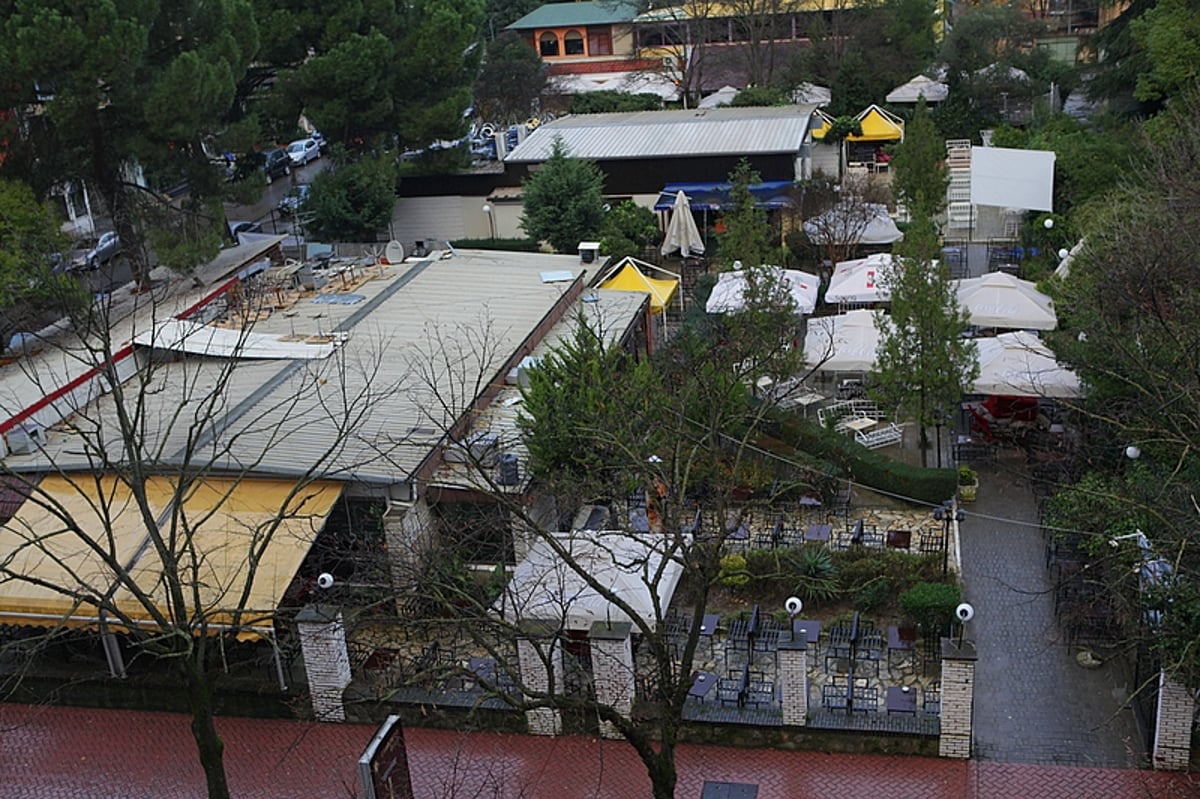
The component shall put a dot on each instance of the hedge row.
(512, 245)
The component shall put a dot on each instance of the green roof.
(561, 15)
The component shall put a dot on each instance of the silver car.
(92, 253)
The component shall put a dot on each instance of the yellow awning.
(228, 523)
(630, 278)
(876, 124)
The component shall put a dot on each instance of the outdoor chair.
(931, 542)
(728, 689)
(866, 700)
(761, 694)
(932, 704)
(834, 697)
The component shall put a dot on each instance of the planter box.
(967, 493)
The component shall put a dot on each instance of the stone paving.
(59, 752)
(1033, 702)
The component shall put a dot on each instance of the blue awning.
(715, 196)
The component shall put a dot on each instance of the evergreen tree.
(564, 201)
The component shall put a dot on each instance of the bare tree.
(155, 506)
(836, 214)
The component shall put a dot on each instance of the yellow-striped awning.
(630, 278)
(76, 534)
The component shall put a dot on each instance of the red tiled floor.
(53, 753)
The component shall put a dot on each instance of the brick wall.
(792, 665)
(958, 698)
(1173, 730)
(536, 678)
(612, 670)
(326, 660)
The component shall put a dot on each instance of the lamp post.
(947, 513)
(487, 209)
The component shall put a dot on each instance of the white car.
(304, 150)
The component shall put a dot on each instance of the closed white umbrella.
(847, 342)
(682, 234)
(999, 299)
(1018, 364)
(729, 295)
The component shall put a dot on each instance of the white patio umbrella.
(1000, 300)
(728, 296)
(682, 234)
(859, 280)
(844, 343)
(921, 86)
(1018, 364)
(853, 223)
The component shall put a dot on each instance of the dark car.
(295, 198)
(277, 163)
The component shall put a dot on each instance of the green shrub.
(509, 245)
(733, 571)
(815, 576)
(764, 568)
(874, 595)
(931, 605)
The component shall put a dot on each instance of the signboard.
(383, 767)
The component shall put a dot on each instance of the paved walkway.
(1033, 702)
(59, 752)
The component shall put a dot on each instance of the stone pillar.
(612, 670)
(791, 661)
(1173, 725)
(326, 659)
(535, 676)
(407, 530)
(958, 697)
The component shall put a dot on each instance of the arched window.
(573, 43)
(548, 44)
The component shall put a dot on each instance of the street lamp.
(947, 513)
(487, 209)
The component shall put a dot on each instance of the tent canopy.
(999, 299)
(877, 125)
(729, 295)
(716, 196)
(1018, 364)
(921, 86)
(853, 223)
(545, 588)
(844, 343)
(861, 280)
(628, 277)
(229, 517)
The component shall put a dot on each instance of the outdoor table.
(901, 699)
(859, 424)
(808, 629)
(728, 790)
(483, 668)
(702, 686)
(899, 539)
(818, 532)
(900, 640)
(708, 625)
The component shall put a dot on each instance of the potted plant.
(968, 483)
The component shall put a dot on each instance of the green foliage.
(511, 80)
(564, 201)
(919, 177)
(840, 128)
(1169, 32)
(924, 363)
(759, 96)
(815, 577)
(29, 238)
(606, 101)
(931, 605)
(352, 201)
(748, 236)
(627, 230)
(733, 571)
(506, 245)
(966, 475)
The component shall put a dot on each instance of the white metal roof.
(666, 134)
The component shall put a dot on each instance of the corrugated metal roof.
(561, 15)
(667, 134)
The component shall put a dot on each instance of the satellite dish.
(793, 605)
(325, 580)
(394, 252)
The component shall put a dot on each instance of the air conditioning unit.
(518, 375)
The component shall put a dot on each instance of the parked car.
(91, 253)
(295, 198)
(302, 151)
(237, 226)
(277, 164)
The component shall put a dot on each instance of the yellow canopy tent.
(626, 276)
(876, 123)
(59, 547)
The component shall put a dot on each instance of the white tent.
(844, 343)
(853, 223)
(999, 299)
(728, 295)
(921, 86)
(682, 234)
(722, 96)
(1018, 364)
(860, 280)
(544, 588)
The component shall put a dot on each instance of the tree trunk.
(662, 772)
(208, 742)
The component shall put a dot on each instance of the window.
(599, 41)
(573, 43)
(548, 44)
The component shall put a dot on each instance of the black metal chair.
(932, 703)
(835, 696)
